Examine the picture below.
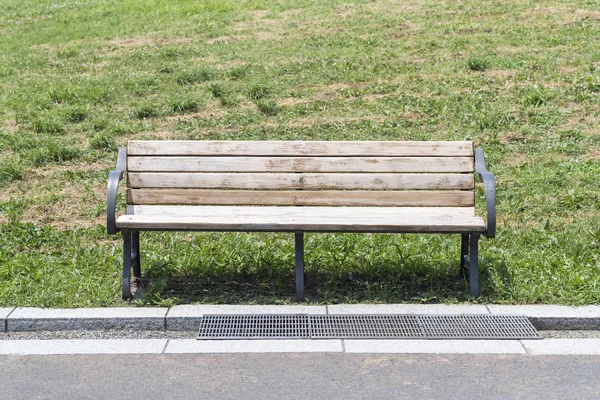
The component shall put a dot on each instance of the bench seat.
(314, 219)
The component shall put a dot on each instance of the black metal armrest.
(489, 185)
(114, 177)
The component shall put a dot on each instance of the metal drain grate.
(477, 327)
(366, 327)
(254, 327)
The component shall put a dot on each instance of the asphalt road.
(299, 376)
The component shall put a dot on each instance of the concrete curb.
(186, 317)
(41, 319)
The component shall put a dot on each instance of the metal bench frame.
(131, 238)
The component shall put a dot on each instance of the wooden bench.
(301, 186)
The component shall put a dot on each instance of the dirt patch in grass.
(275, 26)
(259, 14)
(262, 35)
(146, 41)
(290, 12)
(396, 7)
(332, 120)
(64, 214)
(592, 155)
(333, 87)
(567, 69)
(511, 137)
(563, 15)
(265, 35)
(593, 14)
(412, 116)
(509, 50)
(374, 97)
(227, 38)
(48, 172)
(345, 10)
(281, 27)
(588, 124)
(10, 125)
(592, 131)
(209, 113)
(154, 135)
(327, 91)
(63, 204)
(292, 101)
(500, 73)
(34, 179)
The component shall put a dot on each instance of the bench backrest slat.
(258, 180)
(301, 173)
(347, 198)
(300, 164)
(298, 148)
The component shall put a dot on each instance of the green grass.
(520, 78)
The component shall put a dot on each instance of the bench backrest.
(301, 173)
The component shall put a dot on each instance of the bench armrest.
(489, 185)
(114, 177)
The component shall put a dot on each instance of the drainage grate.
(365, 327)
(254, 327)
(477, 327)
(300, 326)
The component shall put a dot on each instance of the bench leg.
(464, 254)
(126, 264)
(299, 266)
(474, 264)
(135, 254)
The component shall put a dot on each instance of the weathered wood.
(294, 222)
(298, 148)
(301, 181)
(301, 198)
(300, 164)
(316, 213)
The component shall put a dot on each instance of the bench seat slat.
(301, 181)
(299, 148)
(363, 219)
(300, 164)
(378, 198)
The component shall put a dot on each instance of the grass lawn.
(78, 79)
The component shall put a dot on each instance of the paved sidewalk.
(186, 318)
(347, 346)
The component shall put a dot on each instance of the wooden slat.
(300, 164)
(302, 198)
(294, 222)
(299, 148)
(301, 181)
(302, 212)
